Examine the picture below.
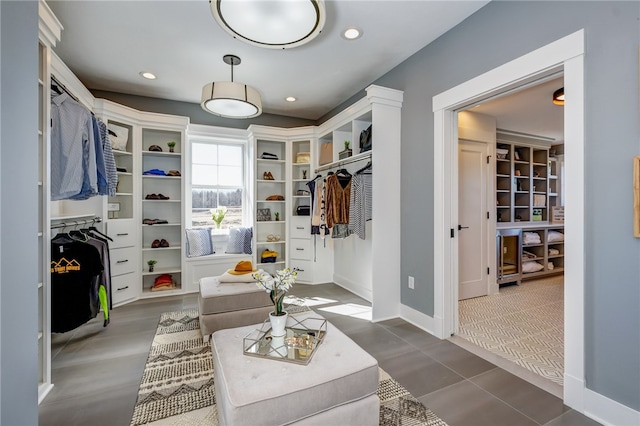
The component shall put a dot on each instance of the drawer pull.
(300, 270)
(299, 249)
(299, 227)
(124, 234)
(122, 261)
(123, 288)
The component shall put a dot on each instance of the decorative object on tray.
(297, 345)
(277, 286)
(218, 214)
(346, 153)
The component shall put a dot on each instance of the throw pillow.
(198, 242)
(239, 241)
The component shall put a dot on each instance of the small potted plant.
(151, 264)
(347, 151)
(277, 286)
(277, 216)
(171, 144)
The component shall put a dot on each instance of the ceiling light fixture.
(229, 99)
(558, 96)
(290, 99)
(148, 75)
(352, 33)
(280, 24)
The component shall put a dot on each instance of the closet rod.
(357, 157)
(96, 219)
(64, 88)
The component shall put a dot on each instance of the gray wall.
(18, 213)
(496, 34)
(195, 112)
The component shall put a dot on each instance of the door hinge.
(452, 233)
(488, 271)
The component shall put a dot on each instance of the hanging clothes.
(338, 195)
(360, 202)
(109, 159)
(75, 280)
(81, 167)
(316, 190)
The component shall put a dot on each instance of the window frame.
(218, 136)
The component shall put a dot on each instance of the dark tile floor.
(96, 370)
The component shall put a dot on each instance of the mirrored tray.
(297, 346)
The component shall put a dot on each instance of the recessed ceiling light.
(148, 75)
(290, 99)
(352, 33)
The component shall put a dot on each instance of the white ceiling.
(529, 111)
(107, 43)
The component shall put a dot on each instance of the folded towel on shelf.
(554, 252)
(531, 238)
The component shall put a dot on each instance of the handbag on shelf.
(303, 210)
(365, 139)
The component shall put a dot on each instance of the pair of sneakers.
(160, 243)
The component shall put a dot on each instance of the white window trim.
(218, 135)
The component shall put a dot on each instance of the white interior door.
(473, 274)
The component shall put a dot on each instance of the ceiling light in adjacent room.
(229, 99)
(352, 33)
(275, 24)
(558, 96)
(290, 99)
(148, 75)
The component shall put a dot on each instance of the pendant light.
(558, 96)
(274, 24)
(229, 99)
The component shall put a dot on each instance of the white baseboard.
(607, 411)
(432, 325)
(353, 287)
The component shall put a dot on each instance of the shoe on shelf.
(151, 197)
(162, 197)
(155, 244)
(164, 243)
(148, 221)
(270, 176)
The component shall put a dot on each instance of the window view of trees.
(204, 200)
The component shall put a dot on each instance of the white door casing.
(472, 229)
(566, 55)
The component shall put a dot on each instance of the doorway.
(565, 55)
(521, 322)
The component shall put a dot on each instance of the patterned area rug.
(177, 383)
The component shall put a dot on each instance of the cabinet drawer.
(122, 232)
(305, 269)
(300, 249)
(300, 227)
(123, 288)
(123, 260)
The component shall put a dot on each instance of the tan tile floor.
(523, 324)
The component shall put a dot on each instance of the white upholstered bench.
(337, 387)
(229, 305)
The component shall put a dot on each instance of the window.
(217, 180)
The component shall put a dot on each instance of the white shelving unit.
(271, 215)
(168, 208)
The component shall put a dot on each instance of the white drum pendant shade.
(231, 100)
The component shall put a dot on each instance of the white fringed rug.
(177, 384)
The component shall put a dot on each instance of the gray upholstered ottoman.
(337, 387)
(228, 305)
